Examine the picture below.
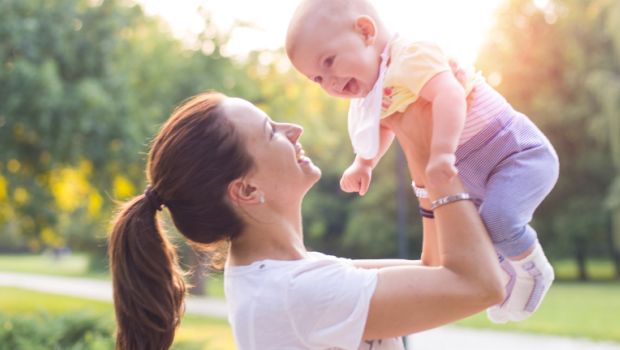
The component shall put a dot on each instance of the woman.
(228, 173)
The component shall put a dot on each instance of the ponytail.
(192, 160)
(147, 281)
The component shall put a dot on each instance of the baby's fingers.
(364, 183)
(348, 185)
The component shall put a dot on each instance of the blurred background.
(85, 84)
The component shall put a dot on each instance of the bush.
(75, 331)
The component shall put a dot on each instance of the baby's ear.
(367, 28)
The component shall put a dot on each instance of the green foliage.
(84, 86)
(75, 331)
(557, 62)
(39, 312)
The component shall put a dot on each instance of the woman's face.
(282, 171)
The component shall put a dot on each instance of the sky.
(458, 26)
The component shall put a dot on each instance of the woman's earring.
(261, 199)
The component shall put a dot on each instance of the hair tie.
(151, 196)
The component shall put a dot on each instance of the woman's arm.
(410, 299)
(383, 263)
(430, 251)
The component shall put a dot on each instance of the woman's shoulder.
(313, 264)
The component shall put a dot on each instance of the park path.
(443, 338)
(98, 290)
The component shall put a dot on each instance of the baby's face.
(344, 63)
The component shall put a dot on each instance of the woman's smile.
(300, 155)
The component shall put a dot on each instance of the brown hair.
(196, 154)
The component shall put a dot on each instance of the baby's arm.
(449, 110)
(357, 176)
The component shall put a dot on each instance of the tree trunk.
(580, 256)
(615, 239)
(403, 189)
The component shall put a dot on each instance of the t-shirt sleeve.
(328, 304)
(418, 63)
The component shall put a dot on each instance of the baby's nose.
(335, 84)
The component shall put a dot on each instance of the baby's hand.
(441, 169)
(356, 178)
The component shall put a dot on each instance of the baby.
(502, 157)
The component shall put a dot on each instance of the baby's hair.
(311, 13)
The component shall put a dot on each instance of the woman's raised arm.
(467, 278)
(410, 299)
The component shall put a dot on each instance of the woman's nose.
(293, 132)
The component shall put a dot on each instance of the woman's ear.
(242, 192)
(367, 28)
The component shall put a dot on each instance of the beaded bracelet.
(450, 199)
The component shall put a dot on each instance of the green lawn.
(195, 332)
(76, 265)
(570, 309)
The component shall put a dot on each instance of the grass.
(196, 332)
(76, 265)
(572, 309)
(73, 265)
(21, 301)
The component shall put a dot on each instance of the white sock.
(534, 277)
(527, 282)
(499, 313)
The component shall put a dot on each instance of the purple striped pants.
(511, 166)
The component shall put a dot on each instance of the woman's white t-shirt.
(319, 302)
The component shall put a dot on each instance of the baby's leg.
(514, 190)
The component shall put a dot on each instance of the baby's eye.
(328, 61)
(317, 79)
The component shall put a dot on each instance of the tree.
(541, 55)
(84, 86)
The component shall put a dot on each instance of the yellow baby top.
(410, 66)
